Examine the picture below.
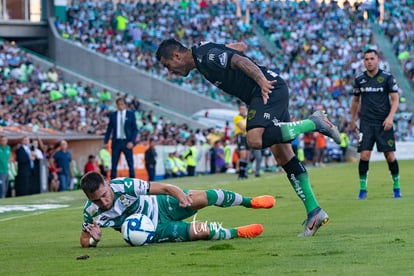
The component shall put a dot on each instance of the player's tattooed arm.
(254, 72)
(238, 46)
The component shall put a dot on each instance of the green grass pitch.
(371, 237)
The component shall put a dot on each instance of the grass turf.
(371, 237)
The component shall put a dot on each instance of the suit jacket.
(130, 127)
(24, 175)
(150, 157)
(23, 160)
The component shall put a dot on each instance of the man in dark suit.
(123, 128)
(151, 159)
(25, 165)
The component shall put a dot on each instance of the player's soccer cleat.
(324, 126)
(397, 193)
(263, 202)
(362, 194)
(249, 231)
(313, 223)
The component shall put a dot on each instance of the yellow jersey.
(237, 120)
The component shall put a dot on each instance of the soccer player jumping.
(268, 118)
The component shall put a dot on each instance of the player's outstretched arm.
(158, 188)
(238, 46)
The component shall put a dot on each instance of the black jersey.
(374, 92)
(213, 61)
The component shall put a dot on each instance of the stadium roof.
(16, 133)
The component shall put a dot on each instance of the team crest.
(124, 201)
(390, 143)
(380, 79)
(251, 114)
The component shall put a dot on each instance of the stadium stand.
(42, 99)
(398, 26)
(131, 33)
(310, 35)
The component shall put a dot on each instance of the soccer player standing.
(268, 118)
(376, 91)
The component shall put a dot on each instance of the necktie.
(122, 126)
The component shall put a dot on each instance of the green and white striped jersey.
(130, 197)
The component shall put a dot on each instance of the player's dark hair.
(91, 181)
(371, 51)
(167, 47)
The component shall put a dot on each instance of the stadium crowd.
(320, 48)
(320, 44)
(398, 26)
(41, 98)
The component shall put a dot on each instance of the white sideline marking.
(30, 207)
(35, 213)
(16, 217)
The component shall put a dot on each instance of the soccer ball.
(137, 230)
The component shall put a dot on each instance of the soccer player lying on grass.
(109, 204)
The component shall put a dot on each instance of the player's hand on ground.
(95, 231)
(267, 87)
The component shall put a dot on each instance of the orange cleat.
(249, 231)
(263, 202)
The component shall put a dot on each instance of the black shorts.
(276, 110)
(242, 142)
(375, 134)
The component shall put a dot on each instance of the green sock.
(363, 182)
(303, 189)
(292, 130)
(219, 233)
(224, 198)
(396, 181)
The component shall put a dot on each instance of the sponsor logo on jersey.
(211, 57)
(223, 59)
(380, 79)
(217, 83)
(266, 116)
(372, 89)
(273, 74)
(363, 81)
